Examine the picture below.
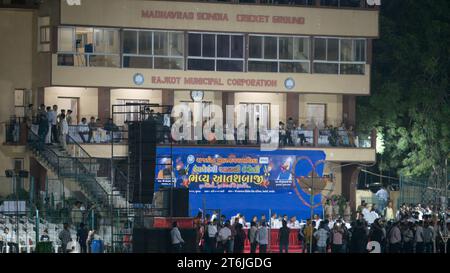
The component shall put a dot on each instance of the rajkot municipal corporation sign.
(205, 81)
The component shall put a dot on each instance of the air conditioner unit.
(373, 2)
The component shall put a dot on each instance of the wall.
(88, 98)
(15, 71)
(333, 107)
(153, 96)
(210, 80)
(317, 21)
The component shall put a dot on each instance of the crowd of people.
(410, 229)
(53, 126)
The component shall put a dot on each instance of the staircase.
(79, 167)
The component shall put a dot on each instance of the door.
(316, 115)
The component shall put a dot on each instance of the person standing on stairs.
(64, 130)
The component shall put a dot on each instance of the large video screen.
(242, 180)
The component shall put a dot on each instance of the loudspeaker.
(172, 199)
(142, 151)
(156, 240)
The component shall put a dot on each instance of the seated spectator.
(83, 129)
(92, 128)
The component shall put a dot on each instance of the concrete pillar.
(292, 106)
(104, 104)
(349, 110)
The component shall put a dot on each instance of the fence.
(414, 190)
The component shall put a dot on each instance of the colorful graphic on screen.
(241, 180)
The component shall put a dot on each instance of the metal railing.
(65, 165)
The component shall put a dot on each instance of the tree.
(410, 87)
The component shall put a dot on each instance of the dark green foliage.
(410, 88)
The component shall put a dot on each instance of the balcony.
(340, 146)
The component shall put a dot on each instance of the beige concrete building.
(311, 60)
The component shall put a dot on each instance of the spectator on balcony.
(301, 135)
(290, 127)
(282, 133)
(83, 129)
(69, 117)
(343, 135)
(52, 119)
(63, 132)
(351, 136)
(43, 125)
(29, 115)
(92, 129)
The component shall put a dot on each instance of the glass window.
(237, 46)
(295, 67)
(301, 48)
(259, 66)
(223, 46)
(176, 44)
(195, 44)
(286, 48)
(161, 45)
(169, 63)
(326, 68)
(209, 45)
(66, 39)
(145, 43)
(320, 49)
(346, 50)
(84, 39)
(200, 64)
(355, 69)
(255, 47)
(106, 41)
(137, 62)
(130, 42)
(360, 50)
(230, 65)
(270, 47)
(333, 50)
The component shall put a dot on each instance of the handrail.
(79, 166)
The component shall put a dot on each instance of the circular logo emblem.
(138, 79)
(190, 159)
(289, 83)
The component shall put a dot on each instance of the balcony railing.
(294, 138)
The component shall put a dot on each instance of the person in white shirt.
(262, 237)
(223, 238)
(371, 216)
(64, 131)
(274, 221)
(211, 233)
(53, 122)
(83, 129)
(382, 197)
(177, 240)
(214, 216)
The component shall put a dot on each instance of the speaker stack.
(142, 151)
(173, 201)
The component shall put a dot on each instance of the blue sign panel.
(241, 180)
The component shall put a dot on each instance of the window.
(278, 54)
(153, 49)
(19, 102)
(82, 46)
(339, 56)
(216, 52)
(44, 34)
